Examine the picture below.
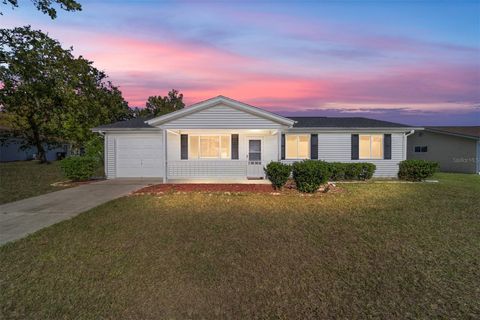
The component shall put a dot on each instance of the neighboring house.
(10, 149)
(222, 138)
(456, 149)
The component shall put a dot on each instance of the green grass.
(24, 179)
(374, 251)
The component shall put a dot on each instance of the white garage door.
(139, 156)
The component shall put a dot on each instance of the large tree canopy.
(158, 105)
(47, 6)
(49, 94)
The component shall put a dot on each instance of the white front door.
(254, 158)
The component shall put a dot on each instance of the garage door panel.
(140, 156)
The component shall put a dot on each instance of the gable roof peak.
(228, 101)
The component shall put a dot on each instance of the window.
(421, 149)
(297, 146)
(371, 146)
(209, 147)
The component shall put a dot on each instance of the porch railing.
(191, 169)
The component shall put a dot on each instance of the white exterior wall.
(331, 147)
(113, 141)
(336, 147)
(221, 117)
(218, 168)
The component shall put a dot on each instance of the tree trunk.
(37, 141)
(41, 154)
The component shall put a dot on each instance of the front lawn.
(373, 251)
(24, 179)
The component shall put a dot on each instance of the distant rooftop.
(472, 131)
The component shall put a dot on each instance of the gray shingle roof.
(302, 122)
(135, 123)
(340, 122)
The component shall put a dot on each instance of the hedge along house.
(224, 139)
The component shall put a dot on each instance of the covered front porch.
(219, 155)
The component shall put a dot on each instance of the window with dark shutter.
(283, 147)
(354, 146)
(184, 146)
(314, 146)
(387, 146)
(234, 146)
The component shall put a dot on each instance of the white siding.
(119, 154)
(226, 168)
(221, 117)
(110, 156)
(336, 147)
(207, 169)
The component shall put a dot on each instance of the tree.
(46, 6)
(158, 105)
(51, 96)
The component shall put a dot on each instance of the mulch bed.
(231, 188)
(204, 187)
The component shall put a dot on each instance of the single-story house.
(456, 149)
(221, 138)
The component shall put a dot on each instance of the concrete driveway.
(19, 218)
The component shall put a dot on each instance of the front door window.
(254, 150)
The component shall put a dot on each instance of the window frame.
(219, 136)
(422, 149)
(297, 143)
(371, 135)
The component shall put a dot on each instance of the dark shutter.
(354, 146)
(184, 146)
(234, 146)
(283, 147)
(387, 146)
(314, 146)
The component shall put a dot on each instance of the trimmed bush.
(310, 174)
(351, 171)
(278, 174)
(366, 170)
(416, 170)
(79, 168)
(337, 171)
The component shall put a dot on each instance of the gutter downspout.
(165, 162)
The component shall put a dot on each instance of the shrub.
(337, 171)
(278, 174)
(366, 170)
(416, 170)
(310, 174)
(94, 148)
(79, 168)
(351, 171)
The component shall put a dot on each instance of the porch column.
(279, 151)
(164, 136)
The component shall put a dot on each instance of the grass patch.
(24, 179)
(373, 251)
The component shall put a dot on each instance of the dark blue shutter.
(184, 146)
(387, 146)
(235, 146)
(283, 147)
(354, 146)
(314, 146)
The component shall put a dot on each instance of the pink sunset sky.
(411, 62)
